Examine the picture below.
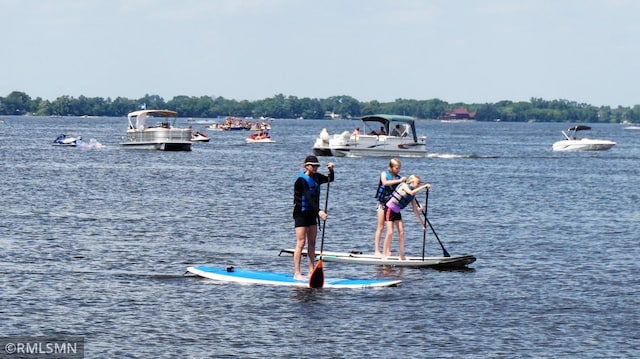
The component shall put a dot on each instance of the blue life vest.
(384, 192)
(314, 190)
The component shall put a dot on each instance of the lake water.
(95, 243)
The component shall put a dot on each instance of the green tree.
(16, 103)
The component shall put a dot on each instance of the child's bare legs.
(400, 226)
(379, 228)
(386, 251)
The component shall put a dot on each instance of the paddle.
(444, 251)
(424, 231)
(316, 279)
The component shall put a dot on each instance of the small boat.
(66, 141)
(572, 143)
(199, 137)
(162, 136)
(356, 257)
(384, 135)
(216, 127)
(261, 136)
(255, 126)
(235, 124)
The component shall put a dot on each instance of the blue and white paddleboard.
(231, 274)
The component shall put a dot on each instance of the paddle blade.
(316, 279)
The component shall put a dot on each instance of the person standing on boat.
(397, 131)
(389, 180)
(306, 211)
(400, 198)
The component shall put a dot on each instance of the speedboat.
(161, 136)
(198, 136)
(66, 141)
(384, 135)
(572, 143)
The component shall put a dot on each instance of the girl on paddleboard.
(400, 198)
(306, 210)
(389, 180)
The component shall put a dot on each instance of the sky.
(469, 51)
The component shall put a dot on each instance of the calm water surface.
(95, 243)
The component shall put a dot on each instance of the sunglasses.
(316, 166)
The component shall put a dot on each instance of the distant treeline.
(280, 106)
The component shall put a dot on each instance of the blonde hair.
(394, 162)
(412, 178)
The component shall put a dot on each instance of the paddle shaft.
(324, 221)
(316, 278)
(424, 230)
(424, 233)
(444, 251)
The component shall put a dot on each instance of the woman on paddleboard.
(400, 198)
(306, 210)
(389, 180)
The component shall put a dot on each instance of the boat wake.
(453, 155)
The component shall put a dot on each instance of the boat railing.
(375, 141)
(171, 134)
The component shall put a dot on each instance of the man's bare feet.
(299, 276)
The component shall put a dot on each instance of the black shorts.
(392, 216)
(305, 218)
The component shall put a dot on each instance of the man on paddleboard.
(306, 210)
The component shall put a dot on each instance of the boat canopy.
(579, 128)
(141, 116)
(385, 121)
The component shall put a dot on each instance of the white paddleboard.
(420, 262)
(230, 274)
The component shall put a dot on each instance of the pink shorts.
(393, 206)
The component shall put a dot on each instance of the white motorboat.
(383, 135)
(162, 136)
(572, 143)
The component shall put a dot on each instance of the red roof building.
(458, 114)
